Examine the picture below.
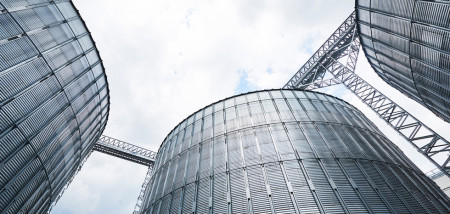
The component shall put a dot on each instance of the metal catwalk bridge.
(120, 149)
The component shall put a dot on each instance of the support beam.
(120, 149)
(322, 84)
(328, 58)
(333, 48)
(424, 139)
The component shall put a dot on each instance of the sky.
(167, 59)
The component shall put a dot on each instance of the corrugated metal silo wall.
(54, 101)
(407, 42)
(285, 152)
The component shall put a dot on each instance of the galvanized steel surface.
(283, 151)
(407, 42)
(54, 101)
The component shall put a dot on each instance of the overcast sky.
(167, 59)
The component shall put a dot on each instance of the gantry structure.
(338, 57)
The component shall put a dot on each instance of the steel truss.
(334, 48)
(344, 43)
(120, 149)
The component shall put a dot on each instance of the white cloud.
(80, 196)
(105, 184)
(178, 56)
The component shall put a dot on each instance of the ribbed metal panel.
(407, 42)
(283, 151)
(54, 101)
